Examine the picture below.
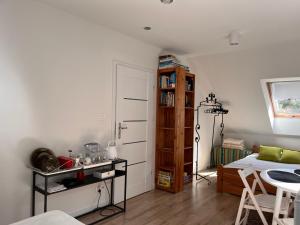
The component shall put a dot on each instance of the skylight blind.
(286, 90)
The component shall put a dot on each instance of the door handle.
(120, 128)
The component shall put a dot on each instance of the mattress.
(55, 217)
(259, 165)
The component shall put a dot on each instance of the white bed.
(55, 217)
(259, 165)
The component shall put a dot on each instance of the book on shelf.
(183, 66)
(188, 103)
(187, 178)
(168, 58)
(162, 57)
(171, 65)
(167, 63)
(188, 85)
(167, 99)
(164, 179)
(164, 81)
(168, 81)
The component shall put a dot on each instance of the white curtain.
(286, 90)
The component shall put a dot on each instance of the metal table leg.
(33, 194)
(277, 205)
(112, 189)
(46, 194)
(125, 186)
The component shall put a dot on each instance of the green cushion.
(269, 153)
(290, 156)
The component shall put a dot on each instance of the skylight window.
(285, 98)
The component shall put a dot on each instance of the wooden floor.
(197, 204)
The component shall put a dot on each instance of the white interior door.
(132, 126)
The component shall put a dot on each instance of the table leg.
(288, 197)
(277, 205)
(33, 195)
(125, 186)
(112, 194)
(46, 194)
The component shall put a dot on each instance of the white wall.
(202, 89)
(267, 139)
(56, 92)
(290, 126)
(235, 78)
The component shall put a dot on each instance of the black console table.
(89, 179)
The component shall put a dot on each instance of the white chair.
(259, 202)
(286, 221)
(296, 220)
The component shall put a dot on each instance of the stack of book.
(164, 179)
(169, 61)
(167, 99)
(168, 81)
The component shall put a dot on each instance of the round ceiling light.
(166, 1)
(147, 28)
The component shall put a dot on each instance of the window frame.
(275, 114)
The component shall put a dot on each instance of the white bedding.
(252, 161)
(55, 217)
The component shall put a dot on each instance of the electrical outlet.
(100, 187)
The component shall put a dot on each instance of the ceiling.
(193, 26)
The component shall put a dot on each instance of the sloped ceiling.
(235, 78)
(193, 26)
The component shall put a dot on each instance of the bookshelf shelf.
(167, 89)
(168, 70)
(166, 107)
(167, 150)
(174, 132)
(165, 189)
(167, 168)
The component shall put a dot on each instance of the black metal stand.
(89, 179)
(216, 109)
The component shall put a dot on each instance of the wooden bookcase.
(175, 128)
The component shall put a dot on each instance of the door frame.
(150, 153)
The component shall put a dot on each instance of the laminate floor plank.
(198, 204)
